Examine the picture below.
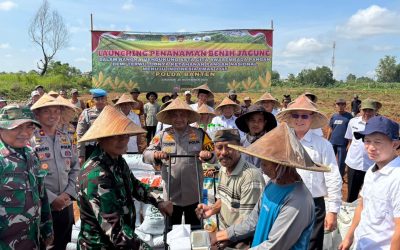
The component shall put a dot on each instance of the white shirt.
(195, 107)
(225, 122)
(357, 158)
(381, 204)
(161, 126)
(132, 144)
(322, 183)
(317, 131)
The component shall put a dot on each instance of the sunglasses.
(304, 117)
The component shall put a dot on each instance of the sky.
(304, 30)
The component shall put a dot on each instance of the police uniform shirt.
(56, 154)
(183, 185)
(86, 119)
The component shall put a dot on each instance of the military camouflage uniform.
(105, 198)
(86, 119)
(25, 217)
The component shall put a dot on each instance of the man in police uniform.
(55, 150)
(25, 218)
(86, 119)
(181, 139)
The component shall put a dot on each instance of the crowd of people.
(280, 176)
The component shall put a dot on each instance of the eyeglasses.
(304, 117)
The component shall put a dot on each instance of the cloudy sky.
(304, 30)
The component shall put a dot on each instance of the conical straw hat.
(53, 93)
(281, 146)
(69, 111)
(111, 122)
(267, 97)
(164, 115)
(205, 87)
(302, 102)
(125, 98)
(205, 109)
(312, 96)
(227, 102)
(47, 101)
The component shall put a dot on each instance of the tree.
(49, 32)
(320, 77)
(364, 79)
(386, 69)
(58, 68)
(351, 78)
(275, 75)
(291, 78)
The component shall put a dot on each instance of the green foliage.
(18, 86)
(319, 77)
(386, 71)
(351, 78)
(275, 75)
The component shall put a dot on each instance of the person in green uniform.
(107, 187)
(25, 215)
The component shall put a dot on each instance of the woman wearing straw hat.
(203, 94)
(55, 148)
(283, 217)
(107, 187)
(181, 139)
(269, 103)
(255, 123)
(303, 115)
(226, 110)
(206, 114)
(125, 104)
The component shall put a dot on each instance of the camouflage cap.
(12, 116)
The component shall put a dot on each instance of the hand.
(209, 173)
(48, 241)
(203, 211)
(205, 155)
(61, 202)
(166, 208)
(160, 155)
(330, 221)
(213, 238)
(346, 243)
(81, 160)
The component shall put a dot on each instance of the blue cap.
(98, 92)
(380, 124)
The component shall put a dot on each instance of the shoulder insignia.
(169, 137)
(156, 139)
(44, 166)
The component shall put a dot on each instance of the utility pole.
(333, 56)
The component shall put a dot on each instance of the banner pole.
(91, 22)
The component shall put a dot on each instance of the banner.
(227, 59)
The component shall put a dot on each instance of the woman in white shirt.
(125, 104)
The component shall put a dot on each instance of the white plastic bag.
(153, 222)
